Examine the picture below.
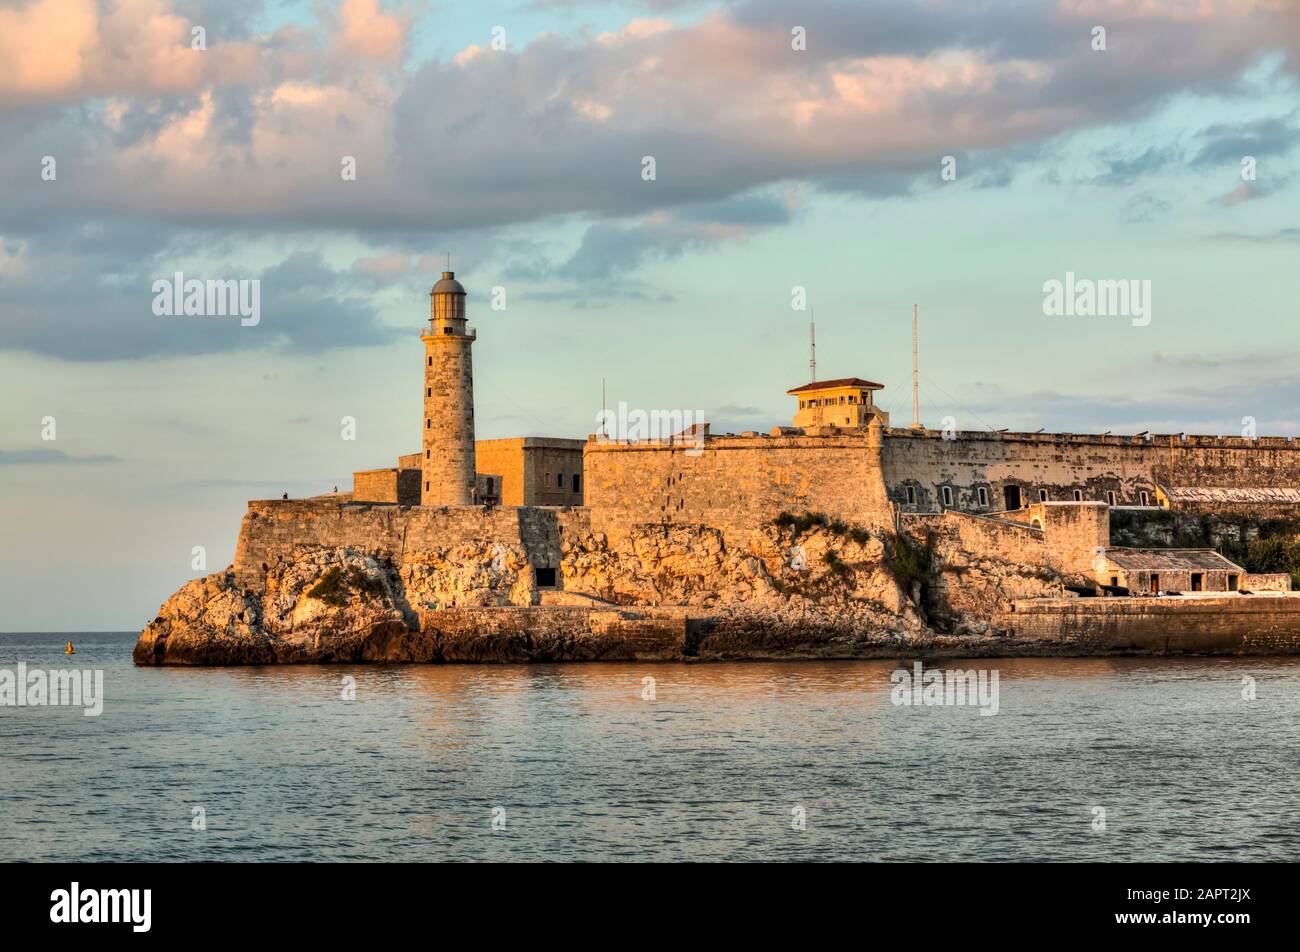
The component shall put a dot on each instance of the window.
(1232, 583)
(1110, 497)
(1144, 497)
(446, 330)
(559, 480)
(947, 495)
(1078, 495)
(545, 577)
(984, 497)
(911, 496)
(1198, 581)
(1114, 581)
(426, 454)
(1042, 495)
(428, 422)
(1155, 581)
(430, 361)
(426, 485)
(428, 391)
(577, 483)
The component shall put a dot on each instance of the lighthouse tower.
(448, 466)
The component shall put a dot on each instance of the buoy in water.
(69, 649)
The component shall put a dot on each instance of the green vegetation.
(1275, 554)
(809, 519)
(835, 563)
(910, 562)
(335, 586)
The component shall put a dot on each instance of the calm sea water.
(714, 768)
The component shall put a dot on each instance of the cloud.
(92, 306)
(560, 126)
(42, 456)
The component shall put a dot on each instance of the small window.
(1114, 581)
(1042, 495)
(1198, 581)
(1145, 497)
(1110, 497)
(577, 483)
(428, 422)
(426, 485)
(428, 391)
(1078, 495)
(426, 454)
(446, 330)
(545, 577)
(1232, 583)
(430, 361)
(947, 495)
(911, 496)
(559, 480)
(984, 497)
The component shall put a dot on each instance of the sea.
(1121, 759)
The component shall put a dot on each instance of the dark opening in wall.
(545, 577)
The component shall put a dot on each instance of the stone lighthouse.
(448, 466)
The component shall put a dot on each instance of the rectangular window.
(559, 480)
(426, 454)
(1042, 495)
(1114, 580)
(911, 496)
(984, 497)
(1198, 582)
(1144, 497)
(1110, 498)
(428, 391)
(430, 361)
(1078, 495)
(1232, 583)
(545, 578)
(577, 483)
(1155, 581)
(428, 423)
(947, 495)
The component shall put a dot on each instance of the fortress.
(655, 547)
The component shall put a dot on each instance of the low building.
(845, 402)
(1148, 571)
(525, 471)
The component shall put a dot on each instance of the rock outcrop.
(799, 589)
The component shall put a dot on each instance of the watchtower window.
(446, 330)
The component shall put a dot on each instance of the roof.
(448, 284)
(1171, 560)
(1257, 494)
(838, 383)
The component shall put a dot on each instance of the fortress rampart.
(276, 529)
(735, 484)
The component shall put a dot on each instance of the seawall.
(1229, 624)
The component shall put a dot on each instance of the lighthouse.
(448, 466)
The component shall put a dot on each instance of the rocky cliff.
(803, 587)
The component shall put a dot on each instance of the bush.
(335, 586)
(911, 562)
(331, 589)
(1275, 554)
(835, 563)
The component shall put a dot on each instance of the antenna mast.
(916, 386)
(812, 342)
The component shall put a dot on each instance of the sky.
(956, 155)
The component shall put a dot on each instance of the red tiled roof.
(841, 382)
